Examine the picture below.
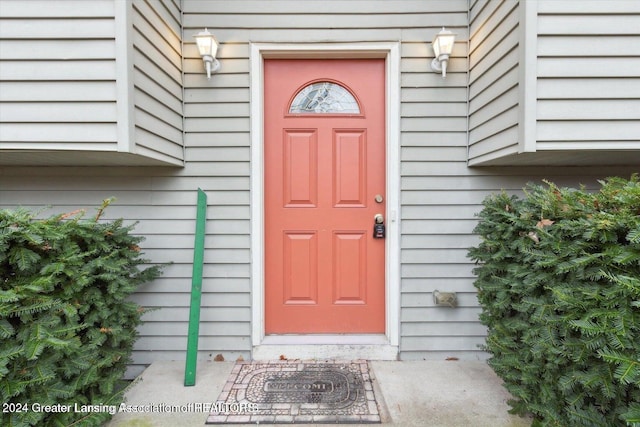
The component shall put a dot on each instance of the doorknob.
(378, 219)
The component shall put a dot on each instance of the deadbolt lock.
(378, 227)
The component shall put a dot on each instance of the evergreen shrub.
(67, 327)
(558, 279)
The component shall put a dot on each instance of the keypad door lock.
(378, 227)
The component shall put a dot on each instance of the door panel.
(300, 177)
(350, 179)
(350, 268)
(324, 271)
(300, 266)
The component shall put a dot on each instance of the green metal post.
(196, 292)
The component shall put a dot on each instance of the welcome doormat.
(297, 392)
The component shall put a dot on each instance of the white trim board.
(321, 346)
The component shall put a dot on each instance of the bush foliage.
(67, 328)
(559, 285)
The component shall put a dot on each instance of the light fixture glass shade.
(443, 43)
(207, 44)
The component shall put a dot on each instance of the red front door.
(324, 148)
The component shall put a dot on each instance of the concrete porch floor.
(415, 393)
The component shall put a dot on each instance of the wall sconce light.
(442, 47)
(208, 48)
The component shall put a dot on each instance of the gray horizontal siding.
(433, 137)
(157, 78)
(288, 7)
(493, 79)
(584, 115)
(566, 95)
(68, 91)
(57, 80)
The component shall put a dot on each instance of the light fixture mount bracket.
(436, 66)
(211, 64)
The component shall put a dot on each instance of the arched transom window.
(324, 98)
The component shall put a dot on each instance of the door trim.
(375, 346)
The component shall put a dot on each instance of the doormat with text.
(297, 392)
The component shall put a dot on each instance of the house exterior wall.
(494, 79)
(58, 80)
(103, 89)
(588, 74)
(439, 192)
(156, 39)
(548, 79)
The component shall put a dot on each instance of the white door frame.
(321, 346)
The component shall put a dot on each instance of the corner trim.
(527, 75)
(124, 77)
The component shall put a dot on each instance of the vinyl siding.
(157, 80)
(560, 83)
(570, 53)
(494, 109)
(104, 89)
(48, 72)
(440, 194)
(433, 138)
